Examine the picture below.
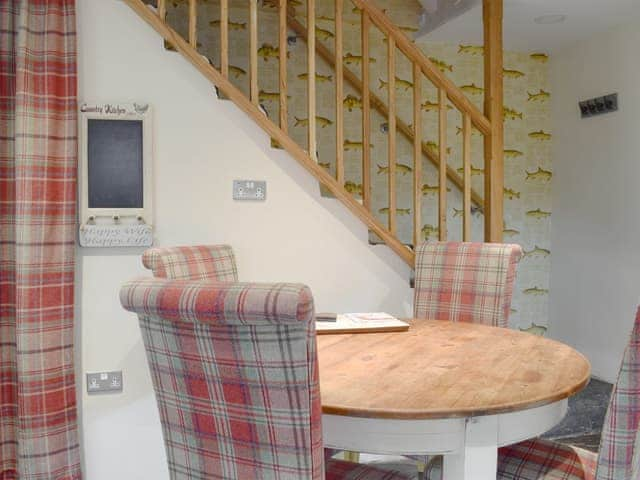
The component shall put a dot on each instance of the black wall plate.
(599, 105)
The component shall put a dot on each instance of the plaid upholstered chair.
(198, 262)
(235, 374)
(619, 455)
(465, 282)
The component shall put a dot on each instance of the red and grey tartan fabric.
(619, 453)
(465, 282)
(198, 262)
(546, 460)
(38, 144)
(235, 372)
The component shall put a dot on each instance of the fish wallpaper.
(527, 103)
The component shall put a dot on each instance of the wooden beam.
(253, 52)
(466, 166)
(493, 110)
(238, 97)
(417, 155)
(366, 112)
(162, 9)
(224, 38)
(442, 177)
(339, 93)
(414, 54)
(391, 86)
(311, 69)
(193, 23)
(377, 103)
(282, 46)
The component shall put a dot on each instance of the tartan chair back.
(235, 375)
(198, 262)
(465, 282)
(619, 454)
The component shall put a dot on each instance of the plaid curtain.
(38, 144)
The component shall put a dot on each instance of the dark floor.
(583, 424)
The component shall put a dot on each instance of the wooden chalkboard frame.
(116, 216)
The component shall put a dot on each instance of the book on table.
(359, 323)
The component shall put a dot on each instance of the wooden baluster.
(442, 141)
(253, 54)
(193, 23)
(282, 46)
(417, 155)
(339, 94)
(311, 68)
(366, 113)
(162, 9)
(224, 38)
(391, 74)
(466, 164)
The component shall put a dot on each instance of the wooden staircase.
(489, 124)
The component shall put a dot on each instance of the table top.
(441, 369)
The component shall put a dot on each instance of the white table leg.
(478, 459)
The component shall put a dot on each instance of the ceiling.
(584, 19)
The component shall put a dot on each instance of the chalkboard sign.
(115, 176)
(115, 163)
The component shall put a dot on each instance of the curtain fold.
(38, 157)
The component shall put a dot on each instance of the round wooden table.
(457, 389)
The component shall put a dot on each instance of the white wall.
(201, 144)
(596, 259)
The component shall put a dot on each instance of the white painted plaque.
(116, 235)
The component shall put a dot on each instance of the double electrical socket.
(104, 382)
(255, 190)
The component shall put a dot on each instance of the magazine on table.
(369, 322)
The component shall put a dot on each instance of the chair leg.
(352, 457)
(422, 467)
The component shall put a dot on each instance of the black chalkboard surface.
(115, 163)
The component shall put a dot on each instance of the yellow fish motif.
(441, 64)
(400, 168)
(400, 83)
(534, 329)
(474, 171)
(349, 145)
(236, 71)
(434, 147)
(510, 232)
(431, 189)
(353, 188)
(512, 73)
(513, 153)
(408, 29)
(471, 49)
(429, 106)
(537, 252)
(232, 25)
(351, 102)
(323, 34)
(319, 78)
(540, 174)
(510, 113)
(540, 135)
(303, 122)
(473, 131)
(535, 291)
(538, 214)
(540, 57)
(399, 211)
(472, 89)
(325, 18)
(267, 51)
(541, 96)
(510, 193)
(269, 96)
(429, 230)
(350, 58)
(325, 165)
